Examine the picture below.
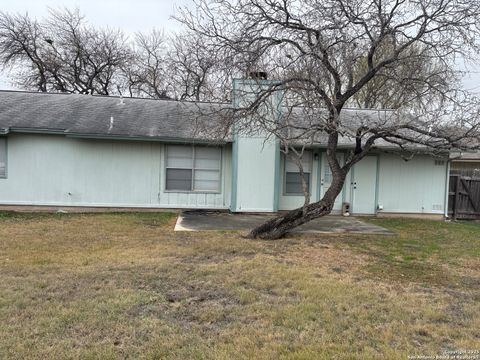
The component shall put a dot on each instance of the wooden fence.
(464, 196)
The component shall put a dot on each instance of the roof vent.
(258, 75)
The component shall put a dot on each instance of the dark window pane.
(179, 179)
(293, 182)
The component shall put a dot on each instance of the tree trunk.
(279, 226)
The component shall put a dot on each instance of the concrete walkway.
(205, 220)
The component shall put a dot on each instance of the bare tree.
(22, 48)
(62, 53)
(325, 53)
(146, 72)
(195, 72)
(406, 82)
(177, 66)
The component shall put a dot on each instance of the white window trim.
(285, 193)
(220, 185)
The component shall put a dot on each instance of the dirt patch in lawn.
(127, 286)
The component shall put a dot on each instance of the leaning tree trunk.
(279, 226)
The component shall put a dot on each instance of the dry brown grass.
(108, 286)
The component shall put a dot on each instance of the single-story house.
(67, 150)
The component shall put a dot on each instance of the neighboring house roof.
(473, 156)
(107, 116)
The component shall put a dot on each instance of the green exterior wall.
(256, 160)
(317, 188)
(61, 171)
(288, 201)
(255, 188)
(363, 186)
(383, 180)
(414, 186)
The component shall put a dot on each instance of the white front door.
(326, 179)
(364, 184)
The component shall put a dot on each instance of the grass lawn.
(108, 286)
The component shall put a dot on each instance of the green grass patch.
(125, 286)
(420, 250)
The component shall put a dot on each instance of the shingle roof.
(108, 116)
(302, 119)
(146, 119)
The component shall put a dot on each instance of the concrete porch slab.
(205, 221)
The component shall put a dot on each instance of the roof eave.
(22, 130)
(145, 138)
(378, 147)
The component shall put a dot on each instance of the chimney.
(257, 75)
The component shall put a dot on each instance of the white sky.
(128, 15)
(132, 16)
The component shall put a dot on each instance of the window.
(3, 157)
(327, 172)
(193, 168)
(293, 180)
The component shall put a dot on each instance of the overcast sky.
(129, 15)
(132, 16)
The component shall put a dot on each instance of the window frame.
(327, 171)
(285, 159)
(193, 168)
(5, 148)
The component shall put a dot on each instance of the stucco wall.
(55, 170)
